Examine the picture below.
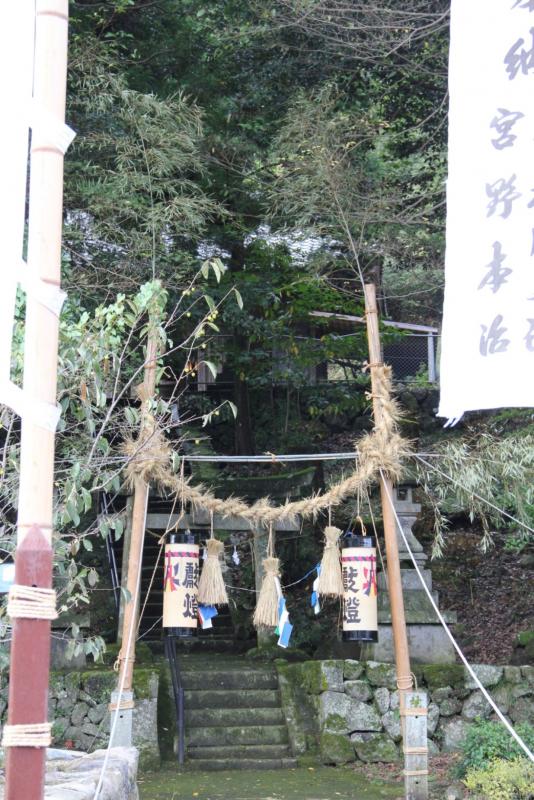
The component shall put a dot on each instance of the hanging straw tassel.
(266, 613)
(330, 578)
(211, 588)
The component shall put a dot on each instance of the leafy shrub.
(502, 780)
(487, 741)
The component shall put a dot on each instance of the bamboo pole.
(25, 766)
(398, 621)
(135, 556)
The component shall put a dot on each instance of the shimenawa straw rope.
(150, 458)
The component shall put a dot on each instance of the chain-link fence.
(413, 357)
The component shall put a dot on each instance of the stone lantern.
(427, 640)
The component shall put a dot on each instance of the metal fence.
(413, 357)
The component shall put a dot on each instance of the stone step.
(245, 751)
(226, 717)
(216, 764)
(208, 645)
(235, 698)
(239, 679)
(247, 734)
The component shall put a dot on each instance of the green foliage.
(101, 358)
(487, 741)
(484, 466)
(502, 780)
(133, 177)
(274, 318)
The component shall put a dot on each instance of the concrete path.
(312, 783)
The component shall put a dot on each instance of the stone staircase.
(234, 719)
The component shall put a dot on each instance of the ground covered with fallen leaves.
(354, 782)
(492, 594)
(303, 783)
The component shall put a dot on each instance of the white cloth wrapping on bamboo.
(16, 69)
(487, 358)
(17, 39)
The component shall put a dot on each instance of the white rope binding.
(36, 735)
(31, 602)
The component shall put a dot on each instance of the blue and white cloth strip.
(206, 615)
(284, 627)
(314, 602)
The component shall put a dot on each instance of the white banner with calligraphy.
(487, 358)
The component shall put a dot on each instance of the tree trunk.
(244, 435)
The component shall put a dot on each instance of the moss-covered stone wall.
(78, 710)
(342, 711)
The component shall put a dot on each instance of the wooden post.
(135, 559)
(126, 541)
(30, 665)
(415, 715)
(30, 650)
(398, 621)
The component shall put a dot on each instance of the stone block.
(335, 748)
(450, 706)
(487, 674)
(522, 690)
(433, 749)
(429, 644)
(392, 724)
(432, 718)
(374, 747)
(299, 711)
(503, 697)
(417, 608)
(65, 704)
(476, 706)
(60, 660)
(90, 729)
(78, 714)
(410, 580)
(380, 674)
(512, 674)
(97, 713)
(439, 695)
(87, 698)
(359, 690)
(440, 675)
(145, 719)
(382, 699)
(522, 710)
(322, 676)
(74, 776)
(453, 732)
(339, 713)
(352, 670)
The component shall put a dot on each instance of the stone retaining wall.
(342, 711)
(336, 711)
(78, 709)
